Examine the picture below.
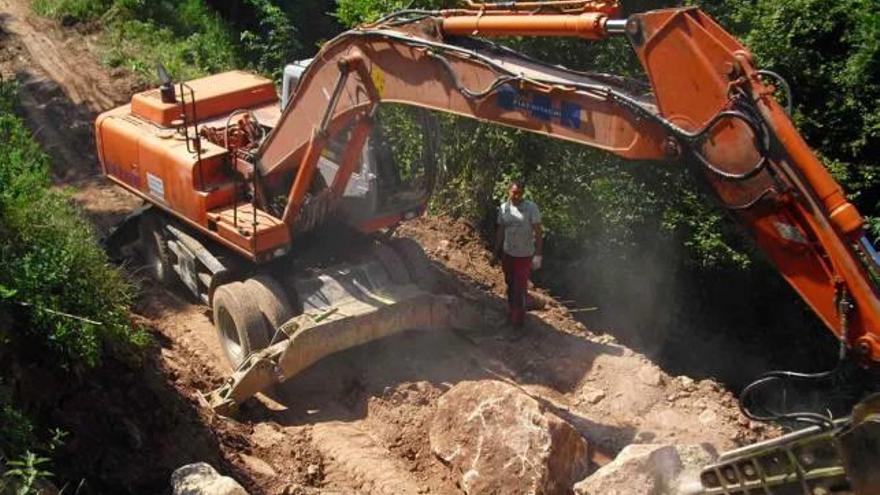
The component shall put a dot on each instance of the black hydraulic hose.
(415, 15)
(746, 400)
(471, 95)
(599, 91)
(747, 205)
(789, 95)
(753, 171)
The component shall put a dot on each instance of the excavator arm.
(708, 108)
(229, 201)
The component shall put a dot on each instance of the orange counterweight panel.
(215, 95)
(156, 163)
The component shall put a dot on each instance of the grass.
(73, 10)
(139, 46)
(188, 37)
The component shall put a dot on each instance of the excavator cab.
(379, 186)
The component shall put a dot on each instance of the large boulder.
(202, 479)
(650, 470)
(499, 440)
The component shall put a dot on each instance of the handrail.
(196, 141)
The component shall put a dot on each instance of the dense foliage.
(62, 307)
(67, 301)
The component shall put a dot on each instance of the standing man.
(518, 241)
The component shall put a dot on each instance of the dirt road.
(356, 422)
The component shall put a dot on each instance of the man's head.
(515, 192)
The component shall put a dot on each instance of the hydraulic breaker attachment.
(351, 322)
(841, 457)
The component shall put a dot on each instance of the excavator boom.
(220, 159)
(708, 108)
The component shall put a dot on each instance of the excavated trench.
(360, 420)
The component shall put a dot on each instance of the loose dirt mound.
(358, 421)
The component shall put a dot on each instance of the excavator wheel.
(241, 327)
(392, 264)
(157, 255)
(272, 300)
(417, 263)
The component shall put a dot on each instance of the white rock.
(258, 465)
(649, 469)
(592, 395)
(650, 376)
(708, 417)
(202, 479)
(497, 439)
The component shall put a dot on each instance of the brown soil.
(356, 422)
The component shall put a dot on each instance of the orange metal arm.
(306, 170)
(796, 212)
(352, 154)
(590, 26)
(708, 105)
(604, 6)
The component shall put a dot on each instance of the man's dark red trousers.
(516, 275)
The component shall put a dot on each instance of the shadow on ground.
(539, 358)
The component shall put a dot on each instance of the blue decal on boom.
(539, 106)
(542, 107)
(507, 97)
(571, 115)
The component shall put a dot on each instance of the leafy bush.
(830, 54)
(272, 43)
(55, 278)
(192, 38)
(16, 429)
(140, 45)
(62, 306)
(354, 12)
(24, 474)
(188, 37)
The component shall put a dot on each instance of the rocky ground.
(367, 419)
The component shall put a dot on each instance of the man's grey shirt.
(518, 222)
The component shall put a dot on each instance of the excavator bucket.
(345, 306)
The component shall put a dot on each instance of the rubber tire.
(241, 328)
(157, 255)
(392, 263)
(272, 300)
(417, 262)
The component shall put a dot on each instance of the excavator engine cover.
(206, 98)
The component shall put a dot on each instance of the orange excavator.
(240, 190)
